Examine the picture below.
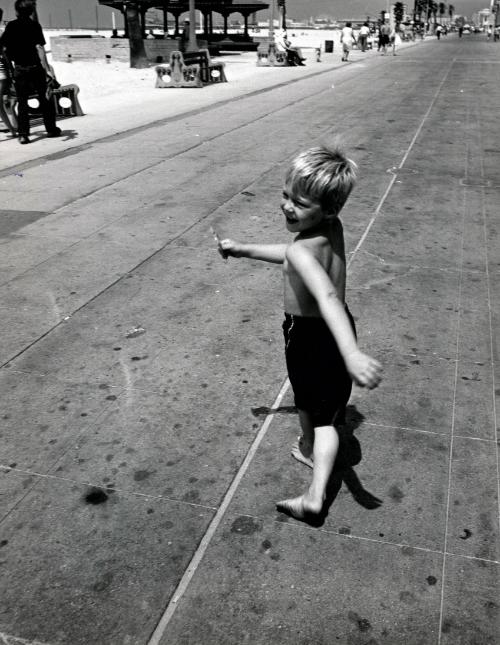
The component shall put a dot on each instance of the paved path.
(146, 418)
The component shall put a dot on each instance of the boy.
(322, 355)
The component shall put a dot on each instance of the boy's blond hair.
(325, 175)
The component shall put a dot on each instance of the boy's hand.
(229, 248)
(365, 371)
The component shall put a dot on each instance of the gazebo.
(177, 7)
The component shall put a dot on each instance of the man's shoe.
(54, 133)
(23, 139)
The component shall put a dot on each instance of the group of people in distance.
(24, 64)
(387, 37)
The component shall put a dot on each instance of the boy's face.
(301, 212)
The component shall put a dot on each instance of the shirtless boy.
(321, 350)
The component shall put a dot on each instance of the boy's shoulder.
(318, 241)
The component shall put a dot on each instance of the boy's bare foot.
(299, 507)
(301, 452)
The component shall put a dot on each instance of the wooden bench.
(190, 69)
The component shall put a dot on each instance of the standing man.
(364, 32)
(24, 44)
(385, 32)
(185, 36)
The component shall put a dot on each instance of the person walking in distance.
(321, 350)
(24, 42)
(385, 33)
(347, 39)
(364, 32)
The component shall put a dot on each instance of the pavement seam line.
(113, 489)
(207, 537)
(405, 157)
(491, 339)
(490, 323)
(214, 524)
(453, 412)
(386, 426)
(362, 538)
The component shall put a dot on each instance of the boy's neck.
(322, 228)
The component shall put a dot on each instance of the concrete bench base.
(191, 69)
(65, 98)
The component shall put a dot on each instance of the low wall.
(114, 48)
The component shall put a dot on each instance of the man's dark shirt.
(20, 39)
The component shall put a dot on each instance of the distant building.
(482, 18)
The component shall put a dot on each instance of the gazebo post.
(142, 13)
(138, 58)
(192, 45)
(125, 22)
(165, 20)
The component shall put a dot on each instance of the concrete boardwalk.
(145, 416)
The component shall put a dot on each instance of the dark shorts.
(320, 381)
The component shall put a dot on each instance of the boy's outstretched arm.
(268, 252)
(364, 370)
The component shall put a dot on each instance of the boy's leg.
(326, 445)
(303, 448)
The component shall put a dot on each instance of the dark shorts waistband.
(311, 319)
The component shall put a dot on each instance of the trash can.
(328, 46)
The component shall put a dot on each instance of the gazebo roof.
(180, 6)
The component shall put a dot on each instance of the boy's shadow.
(349, 455)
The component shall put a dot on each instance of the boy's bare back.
(326, 245)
